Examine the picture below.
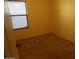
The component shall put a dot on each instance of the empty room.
(39, 29)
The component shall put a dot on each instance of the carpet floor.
(46, 46)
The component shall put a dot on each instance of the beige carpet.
(46, 46)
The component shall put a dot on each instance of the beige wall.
(39, 19)
(63, 18)
(56, 16)
(7, 51)
(10, 42)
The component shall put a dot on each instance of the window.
(18, 14)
